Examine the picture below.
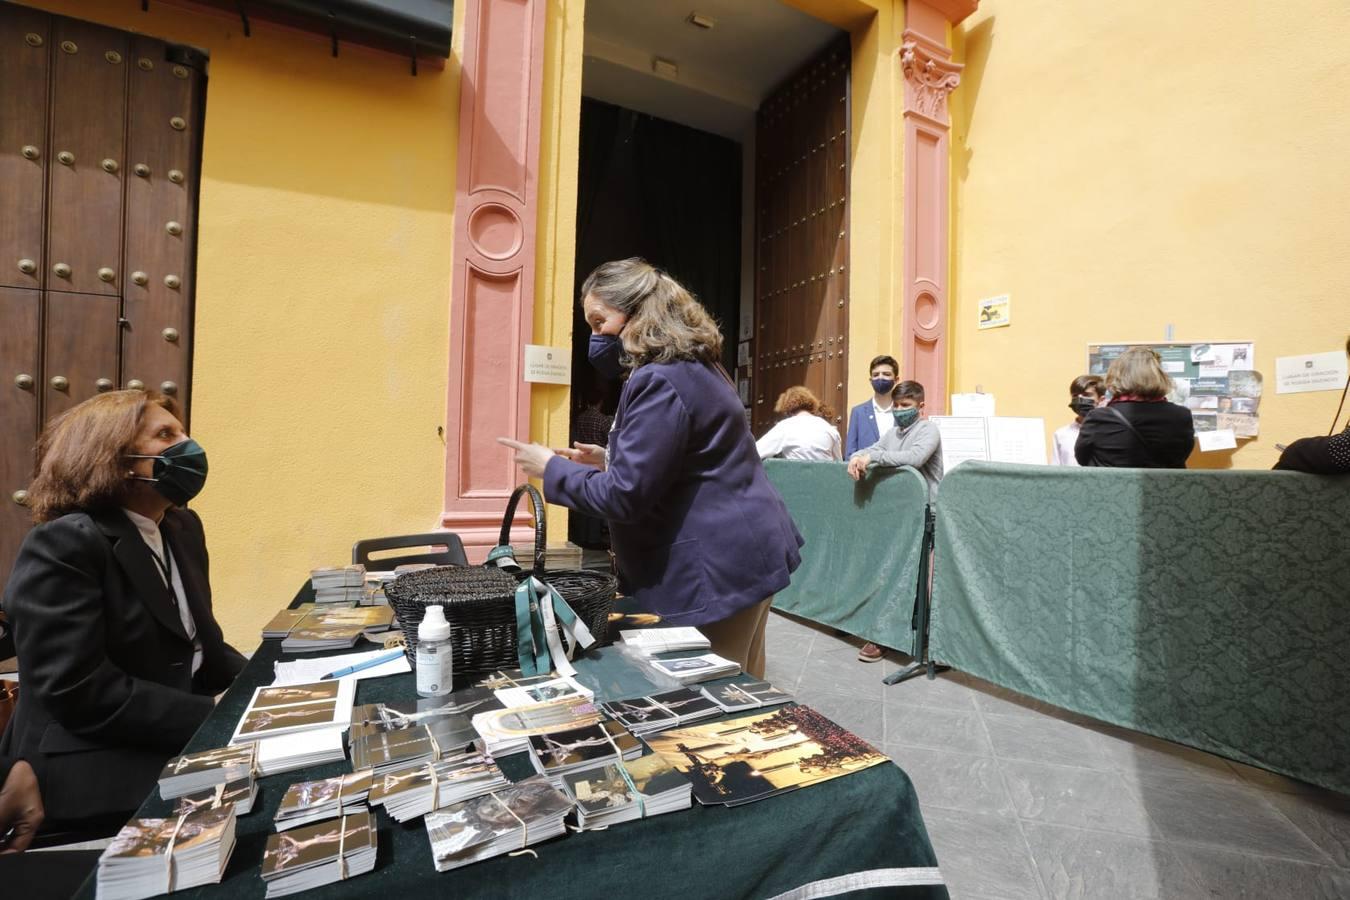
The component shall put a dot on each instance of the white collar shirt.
(149, 531)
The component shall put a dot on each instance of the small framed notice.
(548, 365)
(996, 312)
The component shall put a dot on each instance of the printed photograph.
(220, 758)
(308, 794)
(264, 721)
(382, 750)
(600, 789)
(462, 826)
(637, 712)
(693, 664)
(296, 693)
(563, 749)
(652, 775)
(730, 695)
(765, 692)
(150, 837)
(752, 757)
(684, 702)
(314, 845)
(223, 796)
(546, 692)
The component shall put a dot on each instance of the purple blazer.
(699, 533)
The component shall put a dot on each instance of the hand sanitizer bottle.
(434, 665)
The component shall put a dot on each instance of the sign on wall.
(1314, 372)
(548, 365)
(996, 312)
(1215, 381)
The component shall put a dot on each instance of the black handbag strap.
(1143, 442)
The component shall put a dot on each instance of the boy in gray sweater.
(914, 441)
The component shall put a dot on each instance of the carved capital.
(929, 78)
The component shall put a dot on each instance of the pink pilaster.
(930, 76)
(492, 296)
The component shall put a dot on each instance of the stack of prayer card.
(314, 801)
(300, 750)
(513, 818)
(392, 750)
(239, 795)
(410, 793)
(542, 691)
(285, 620)
(693, 669)
(560, 752)
(627, 790)
(650, 641)
(320, 854)
(507, 731)
(736, 761)
(192, 773)
(746, 695)
(287, 709)
(379, 718)
(336, 627)
(149, 857)
(338, 584)
(660, 711)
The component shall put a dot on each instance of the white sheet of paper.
(1313, 372)
(302, 671)
(963, 438)
(973, 405)
(1014, 439)
(1222, 439)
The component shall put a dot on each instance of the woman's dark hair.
(911, 390)
(80, 456)
(1084, 383)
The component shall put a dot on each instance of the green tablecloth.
(1208, 608)
(860, 565)
(866, 821)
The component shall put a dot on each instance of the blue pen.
(368, 664)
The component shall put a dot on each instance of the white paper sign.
(973, 405)
(1017, 440)
(548, 365)
(1314, 372)
(1222, 439)
(995, 312)
(963, 438)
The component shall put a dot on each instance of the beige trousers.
(741, 636)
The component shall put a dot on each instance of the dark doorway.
(672, 195)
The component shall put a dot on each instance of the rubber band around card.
(524, 828)
(627, 779)
(168, 854)
(435, 785)
(435, 747)
(220, 794)
(342, 849)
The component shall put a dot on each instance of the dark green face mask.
(905, 417)
(179, 472)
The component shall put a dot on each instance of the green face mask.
(905, 417)
(179, 472)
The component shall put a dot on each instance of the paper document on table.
(1221, 439)
(303, 671)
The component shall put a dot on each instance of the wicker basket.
(479, 601)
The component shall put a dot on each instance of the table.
(855, 824)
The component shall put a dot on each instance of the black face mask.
(1082, 405)
(179, 472)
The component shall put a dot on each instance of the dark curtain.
(670, 194)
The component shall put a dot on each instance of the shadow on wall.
(973, 46)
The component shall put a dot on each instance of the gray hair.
(665, 322)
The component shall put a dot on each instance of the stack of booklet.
(239, 795)
(293, 708)
(314, 801)
(157, 856)
(692, 669)
(746, 695)
(338, 584)
(650, 641)
(527, 812)
(192, 773)
(379, 718)
(410, 793)
(332, 627)
(541, 689)
(507, 731)
(556, 754)
(660, 711)
(391, 735)
(627, 790)
(301, 750)
(319, 854)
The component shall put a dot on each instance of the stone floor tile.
(1324, 818)
(860, 715)
(1090, 865)
(1080, 798)
(958, 731)
(1226, 874)
(957, 781)
(1038, 738)
(982, 856)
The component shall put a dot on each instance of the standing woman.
(109, 599)
(1137, 427)
(700, 535)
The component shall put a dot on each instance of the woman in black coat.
(1137, 427)
(110, 603)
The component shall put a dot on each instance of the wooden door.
(801, 230)
(100, 147)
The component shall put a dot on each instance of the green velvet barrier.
(860, 564)
(863, 821)
(1209, 608)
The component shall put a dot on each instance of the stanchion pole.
(923, 598)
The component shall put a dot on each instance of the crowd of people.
(110, 600)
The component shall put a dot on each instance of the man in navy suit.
(872, 418)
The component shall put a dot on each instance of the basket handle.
(540, 527)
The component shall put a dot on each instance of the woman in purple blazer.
(700, 535)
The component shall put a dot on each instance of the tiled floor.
(1022, 799)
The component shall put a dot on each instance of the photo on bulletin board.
(1213, 379)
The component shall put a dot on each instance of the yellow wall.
(1122, 166)
(323, 295)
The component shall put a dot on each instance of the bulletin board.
(1214, 380)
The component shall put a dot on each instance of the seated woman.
(1137, 427)
(119, 653)
(805, 431)
(1323, 454)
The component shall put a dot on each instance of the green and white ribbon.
(539, 610)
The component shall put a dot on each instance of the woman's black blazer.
(106, 691)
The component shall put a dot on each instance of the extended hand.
(586, 454)
(20, 809)
(857, 466)
(530, 457)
